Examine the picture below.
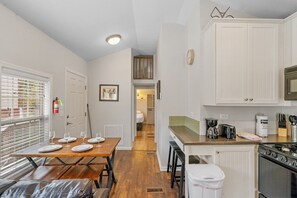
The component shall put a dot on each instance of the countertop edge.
(189, 138)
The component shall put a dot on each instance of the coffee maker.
(211, 128)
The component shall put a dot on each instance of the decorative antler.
(221, 14)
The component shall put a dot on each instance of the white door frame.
(134, 128)
(67, 70)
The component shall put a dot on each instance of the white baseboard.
(162, 168)
(125, 148)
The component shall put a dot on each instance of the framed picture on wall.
(108, 92)
(159, 90)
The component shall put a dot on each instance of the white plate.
(50, 148)
(82, 148)
(96, 140)
(70, 139)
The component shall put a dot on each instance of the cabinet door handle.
(251, 99)
(246, 99)
(218, 152)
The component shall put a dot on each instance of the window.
(24, 116)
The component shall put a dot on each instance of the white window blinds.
(24, 116)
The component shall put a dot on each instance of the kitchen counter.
(189, 137)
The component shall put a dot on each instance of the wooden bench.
(66, 160)
(93, 172)
(92, 161)
(46, 173)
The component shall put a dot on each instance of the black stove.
(277, 166)
(285, 153)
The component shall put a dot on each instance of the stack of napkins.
(249, 136)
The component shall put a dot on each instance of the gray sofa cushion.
(22, 189)
(68, 188)
(80, 188)
(4, 184)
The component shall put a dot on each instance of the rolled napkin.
(249, 136)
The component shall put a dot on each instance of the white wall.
(243, 118)
(112, 69)
(24, 45)
(172, 73)
(194, 71)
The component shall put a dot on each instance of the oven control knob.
(274, 155)
(268, 152)
(283, 159)
(294, 163)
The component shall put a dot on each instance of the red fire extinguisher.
(56, 106)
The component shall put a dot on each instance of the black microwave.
(291, 83)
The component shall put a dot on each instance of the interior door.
(150, 109)
(75, 104)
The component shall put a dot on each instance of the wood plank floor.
(136, 171)
(145, 139)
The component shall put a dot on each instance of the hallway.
(145, 139)
(138, 173)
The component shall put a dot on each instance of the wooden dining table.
(105, 149)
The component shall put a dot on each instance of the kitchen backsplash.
(243, 118)
(184, 121)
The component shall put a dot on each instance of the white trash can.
(204, 180)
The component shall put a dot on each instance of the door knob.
(68, 123)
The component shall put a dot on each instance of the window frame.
(34, 73)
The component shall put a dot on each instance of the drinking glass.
(83, 135)
(51, 135)
(98, 136)
(66, 137)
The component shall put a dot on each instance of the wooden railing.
(143, 67)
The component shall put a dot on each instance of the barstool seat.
(180, 179)
(172, 148)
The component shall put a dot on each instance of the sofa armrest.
(101, 193)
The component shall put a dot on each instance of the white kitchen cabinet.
(290, 41)
(238, 164)
(262, 81)
(241, 57)
(294, 41)
(231, 62)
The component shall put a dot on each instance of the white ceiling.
(278, 9)
(83, 25)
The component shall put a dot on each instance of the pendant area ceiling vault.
(83, 25)
(278, 9)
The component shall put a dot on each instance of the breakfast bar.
(236, 157)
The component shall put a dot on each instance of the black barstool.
(180, 179)
(172, 148)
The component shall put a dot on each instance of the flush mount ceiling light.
(113, 39)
